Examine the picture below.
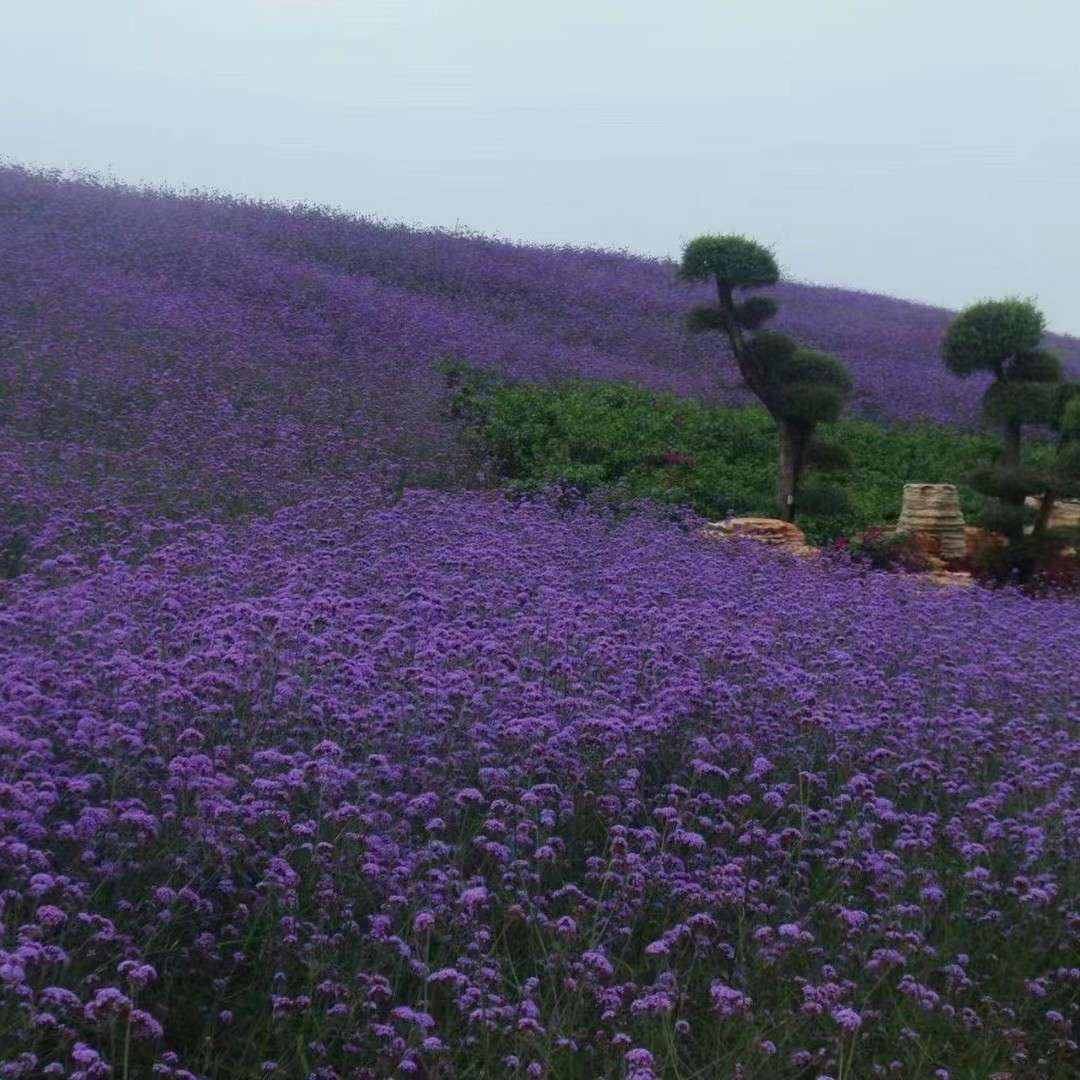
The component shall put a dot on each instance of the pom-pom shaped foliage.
(732, 261)
(706, 317)
(985, 336)
(1005, 518)
(813, 386)
(1021, 402)
(1002, 337)
(810, 366)
(1069, 423)
(1066, 479)
(1067, 471)
(749, 315)
(828, 457)
(755, 312)
(821, 499)
(1010, 484)
(1038, 365)
(768, 355)
(810, 403)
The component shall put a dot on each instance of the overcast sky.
(925, 148)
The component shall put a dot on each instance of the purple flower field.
(304, 775)
(162, 358)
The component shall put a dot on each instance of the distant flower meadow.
(164, 357)
(306, 772)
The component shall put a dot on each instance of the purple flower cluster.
(453, 784)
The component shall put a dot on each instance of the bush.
(886, 550)
(715, 460)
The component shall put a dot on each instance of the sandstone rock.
(952, 578)
(927, 544)
(772, 531)
(1065, 515)
(933, 511)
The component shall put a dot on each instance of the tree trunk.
(737, 340)
(794, 440)
(1010, 457)
(1046, 508)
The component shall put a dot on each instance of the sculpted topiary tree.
(1063, 476)
(1004, 338)
(800, 387)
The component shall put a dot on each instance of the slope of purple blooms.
(163, 357)
(302, 775)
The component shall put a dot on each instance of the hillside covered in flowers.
(316, 761)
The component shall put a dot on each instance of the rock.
(772, 531)
(1065, 515)
(952, 578)
(931, 514)
(927, 544)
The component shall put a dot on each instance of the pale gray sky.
(925, 148)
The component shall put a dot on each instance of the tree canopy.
(732, 261)
(991, 334)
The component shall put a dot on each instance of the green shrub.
(886, 550)
(635, 443)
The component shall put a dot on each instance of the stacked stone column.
(933, 510)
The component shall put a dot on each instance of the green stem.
(127, 1045)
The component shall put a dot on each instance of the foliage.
(1061, 481)
(735, 261)
(1011, 485)
(808, 386)
(1037, 366)
(1070, 414)
(602, 436)
(1065, 469)
(800, 387)
(1003, 337)
(885, 549)
(992, 335)
(821, 500)
(1021, 403)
